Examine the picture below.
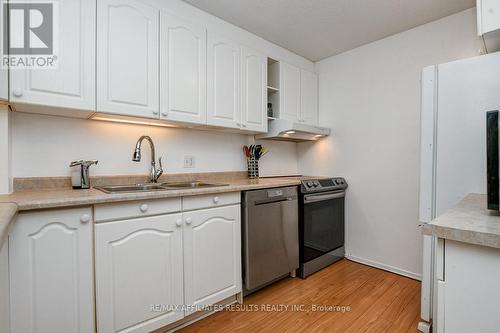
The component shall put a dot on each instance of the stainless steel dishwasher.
(270, 236)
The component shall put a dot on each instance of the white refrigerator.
(455, 99)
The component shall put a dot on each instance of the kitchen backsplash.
(43, 146)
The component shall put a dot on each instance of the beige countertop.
(7, 213)
(25, 200)
(468, 222)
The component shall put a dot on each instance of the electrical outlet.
(189, 161)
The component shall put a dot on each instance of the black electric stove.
(321, 223)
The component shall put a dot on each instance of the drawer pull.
(144, 208)
(85, 218)
(17, 93)
(189, 220)
(216, 199)
(179, 222)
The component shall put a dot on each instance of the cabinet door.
(4, 73)
(488, 15)
(212, 255)
(183, 70)
(289, 92)
(308, 98)
(51, 270)
(254, 91)
(72, 83)
(4, 288)
(127, 58)
(223, 82)
(138, 273)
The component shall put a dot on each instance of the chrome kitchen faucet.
(155, 172)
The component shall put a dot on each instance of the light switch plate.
(189, 161)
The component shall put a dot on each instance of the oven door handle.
(323, 197)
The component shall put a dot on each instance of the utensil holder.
(253, 168)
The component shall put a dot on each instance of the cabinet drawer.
(209, 201)
(124, 210)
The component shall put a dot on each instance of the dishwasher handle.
(274, 200)
(323, 197)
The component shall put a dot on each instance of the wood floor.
(379, 301)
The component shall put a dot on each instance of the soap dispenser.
(80, 178)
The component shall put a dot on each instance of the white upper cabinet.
(51, 270)
(223, 82)
(253, 91)
(488, 16)
(4, 74)
(138, 266)
(183, 70)
(212, 255)
(289, 92)
(308, 98)
(72, 83)
(127, 58)
(4, 84)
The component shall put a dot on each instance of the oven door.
(323, 224)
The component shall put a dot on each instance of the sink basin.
(194, 184)
(130, 188)
(134, 188)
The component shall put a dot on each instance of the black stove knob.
(316, 183)
(309, 184)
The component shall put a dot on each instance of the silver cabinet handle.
(155, 112)
(17, 93)
(85, 218)
(178, 223)
(216, 199)
(164, 113)
(189, 220)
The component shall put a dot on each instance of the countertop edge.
(95, 197)
(467, 222)
(8, 213)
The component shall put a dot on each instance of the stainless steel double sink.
(153, 187)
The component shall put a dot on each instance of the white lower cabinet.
(139, 271)
(51, 272)
(212, 256)
(148, 268)
(468, 297)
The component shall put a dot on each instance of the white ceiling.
(316, 29)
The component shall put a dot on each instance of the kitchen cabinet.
(289, 92)
(468, 297)
(183, 70)
(4, 289)
(4, 84)
(212, 255)
(4, 74)
(128, 58)
(51, 271)
(488, 15)
(139, 265)
(254, 91)
(191, 258)
(308, 98)
(488, 24)
(223, 82)
(71, 84)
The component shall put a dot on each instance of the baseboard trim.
(385, 267)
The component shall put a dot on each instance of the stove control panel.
(321, 185)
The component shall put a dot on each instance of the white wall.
(370, 97)
(45, 145)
